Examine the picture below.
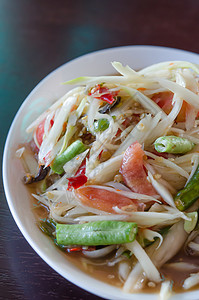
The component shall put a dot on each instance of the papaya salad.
(115, 162)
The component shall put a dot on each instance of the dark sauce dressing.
(178, 276)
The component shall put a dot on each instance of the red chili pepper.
(79, 179)
(51, 122)
(46, 157)
(118, 132)
(108, 98)
(100, 155)
(76, 182)
(105, 94)
(75, 249)
(80, 248)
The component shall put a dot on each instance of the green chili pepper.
(96, 233)
(173, 144)
(60, 160)
(189, 194)
(101, 125)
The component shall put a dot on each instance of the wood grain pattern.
(37, 37)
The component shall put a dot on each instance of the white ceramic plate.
(97, 63)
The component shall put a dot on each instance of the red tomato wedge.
(164, 101)
(133, 171)
(40, 131)
(105, 200)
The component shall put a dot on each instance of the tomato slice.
(103, 199)
(133, 171)
(40, 131)
(164, 101)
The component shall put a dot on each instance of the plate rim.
(6, 185)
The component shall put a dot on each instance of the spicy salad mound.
(115, 162)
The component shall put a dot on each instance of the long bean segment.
(189, 194)
(96, 233)
(74, 149)
(173, 144)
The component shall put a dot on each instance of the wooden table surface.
(37, 37)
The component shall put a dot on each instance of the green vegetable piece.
(60, 160)
(173, 144)
(189, 194)
(101, 125)
(190, 225)
(43, 186)
(48, 226)
(127, 254)
(163, 231)
(96, 233)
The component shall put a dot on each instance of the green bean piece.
(189, 194)
(173, 144)
(101, 125)
(60, 160)
(96, 233)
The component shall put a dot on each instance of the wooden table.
(37, 37)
